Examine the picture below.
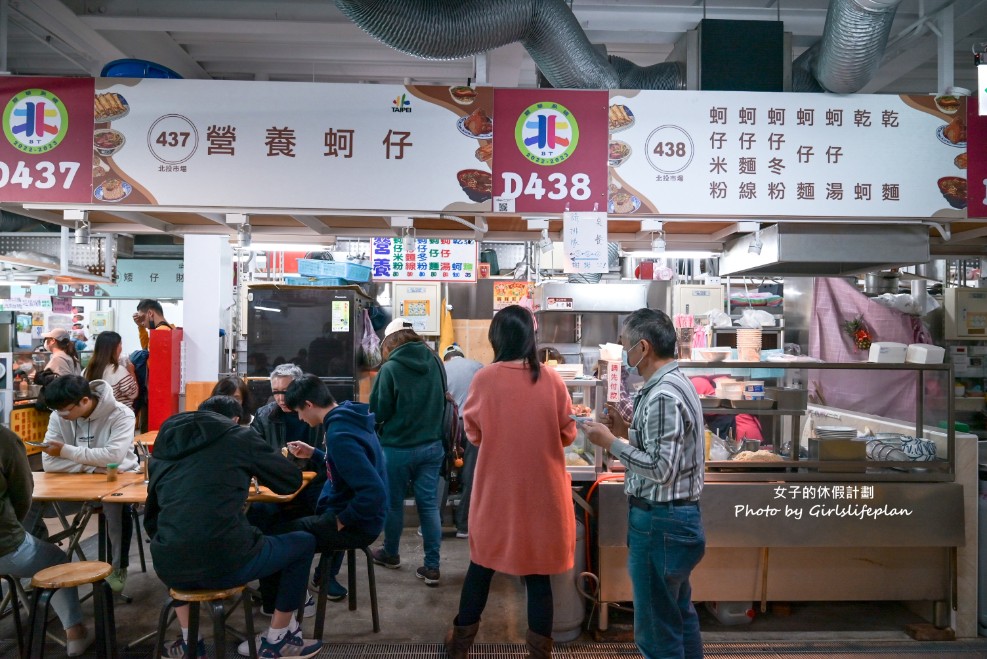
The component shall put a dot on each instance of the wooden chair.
(13, 601)
(324, 569)
(66, 575)
(217, 609)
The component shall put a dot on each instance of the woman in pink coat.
(521, 516)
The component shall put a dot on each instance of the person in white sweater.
(88, 430)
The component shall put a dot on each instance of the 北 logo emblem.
(35, 121)
(547, 133)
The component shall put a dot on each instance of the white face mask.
(631, 370)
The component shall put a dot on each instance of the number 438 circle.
(669, 149)
(172, 139)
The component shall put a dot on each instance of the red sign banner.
(47, 146)
(550, 149)
(976, 154)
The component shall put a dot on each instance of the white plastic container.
(924, 353)
(731, 613)
(887, 352)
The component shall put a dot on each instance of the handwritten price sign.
(550, 150)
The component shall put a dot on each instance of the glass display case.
(822, 421)
(583, 459)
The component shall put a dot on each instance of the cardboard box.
(924, 353)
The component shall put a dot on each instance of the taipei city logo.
(35, 121)
(401, 104)
(547, 133)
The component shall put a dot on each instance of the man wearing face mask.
(150, 316)
(663, 454)
(88, 430)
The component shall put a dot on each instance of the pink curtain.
(882, 393)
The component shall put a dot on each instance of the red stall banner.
(550, 151)
(976, 156)
(46, 150)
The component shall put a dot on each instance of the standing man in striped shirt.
(663, 453)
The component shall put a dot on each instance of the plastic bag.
(719, 319)
(755, 319)
(370, 343)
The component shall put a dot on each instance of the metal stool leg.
(39, 622)
(193, 629)
(372, 582)
(351, 576)
(106, 630)
(217, 608)
(140, 538)
(248, 614)
(320, 608)
(15, 607)
(163, 621)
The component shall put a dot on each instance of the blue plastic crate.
(344, 269)
(315, 281)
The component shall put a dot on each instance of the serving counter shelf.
(590, 392)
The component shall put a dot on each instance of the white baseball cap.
(395, 325)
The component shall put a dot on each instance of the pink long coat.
(521, 515)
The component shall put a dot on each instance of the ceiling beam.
(142, 219)
(62, 23)
(313, 223)
(40, 215)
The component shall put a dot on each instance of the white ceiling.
(311, 40)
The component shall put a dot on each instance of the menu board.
(506, 293)
(584, 242)
(423, 259)
(731, 154)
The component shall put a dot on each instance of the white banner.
(584, 242)
(731, 154)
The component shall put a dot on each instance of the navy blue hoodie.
(356, 488)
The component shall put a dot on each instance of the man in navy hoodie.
(351, 509)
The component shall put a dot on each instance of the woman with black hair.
(521, 518)
(108, 364)
(237, 388)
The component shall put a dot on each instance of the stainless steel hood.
(820, 249)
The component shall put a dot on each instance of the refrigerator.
(318, 328)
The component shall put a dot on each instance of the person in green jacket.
(21, 554)
(408, 399)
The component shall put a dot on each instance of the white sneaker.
(244, 651)
(462, 534)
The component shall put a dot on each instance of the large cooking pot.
(881, 282)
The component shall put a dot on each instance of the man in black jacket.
(200, 537)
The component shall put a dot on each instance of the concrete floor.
(413, 613)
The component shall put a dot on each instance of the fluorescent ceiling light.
(267, 309)
(287, 247)
(680, 254)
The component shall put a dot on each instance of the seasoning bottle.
(112, 470)
(24, 387)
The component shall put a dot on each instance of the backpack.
(452, 428)
(139, 360)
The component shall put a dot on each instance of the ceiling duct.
(800, 249)
(854, 39)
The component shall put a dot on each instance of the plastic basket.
(136, 68)
(343, 269)
(315, 281)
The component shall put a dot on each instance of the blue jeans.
(289, 555)
(34, 555)
(419, 465)
(664, 545)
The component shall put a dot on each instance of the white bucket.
(731, 613)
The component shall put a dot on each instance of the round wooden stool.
(66, 575)
(217, 610)
(318, 628)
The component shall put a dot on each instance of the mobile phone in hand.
(578, 419)
(38, 444)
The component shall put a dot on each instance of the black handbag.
(452, 428)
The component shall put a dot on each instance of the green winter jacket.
(408, 399)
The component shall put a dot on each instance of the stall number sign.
(549, 148)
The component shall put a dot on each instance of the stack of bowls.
(836, 432)
(749, 345)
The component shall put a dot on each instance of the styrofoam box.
(887, 352)
(924, 353)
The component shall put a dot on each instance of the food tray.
(710, 401)
(342, 269)
(763, 404)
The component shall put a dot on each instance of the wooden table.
(59, 487)
(136, 492)
(147, 438)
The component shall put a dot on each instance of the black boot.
(459, 639)
(539, 647)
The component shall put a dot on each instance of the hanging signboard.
(977, 155)
(733, 154)
(506, 293)
(159, 279)
(191, 142)
(548, 151)
(46, 146)
(423, 259)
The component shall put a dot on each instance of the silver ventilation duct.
(855, 36)
(851, 48)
